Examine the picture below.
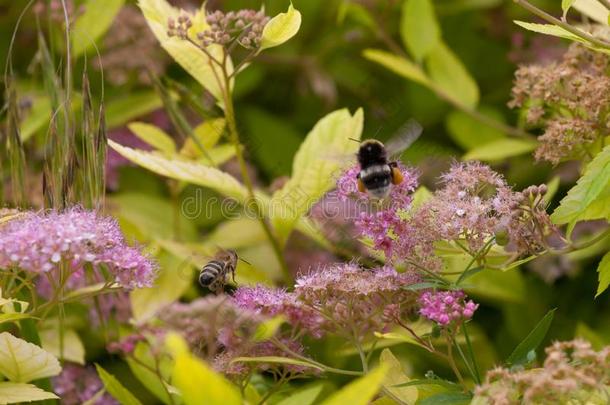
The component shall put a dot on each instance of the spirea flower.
(573, 372)
(41, 242)
(219, 330)
(568, 99)
(446, 307)
(77, 384)
(272, 302)
(354, 299)
(383, 222)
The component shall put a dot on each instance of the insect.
(214, 274)
(378, 167)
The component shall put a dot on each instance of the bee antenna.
(355, 140)
(378, 130)
(245, 261)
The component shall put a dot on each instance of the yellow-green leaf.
(207, 134)
(603, 269)
(93, 23)
(419, 28)
(396, 376)
(592, 188)
(470, 133)
(191, 172)
(268, 328)
(73, 349)
(592, 9)
(307, 395)
(116, 389)
(154, 136)
(198, 383)
(501, 149)
(191, 58)
(21, 361)
(124, 109)
(13, 393)
(397, 64)
(174, 278)
(361, 391)
(281, 28)
(275, 360)
(142, 363)
(549, 29)
(314, 168)
(450, 75)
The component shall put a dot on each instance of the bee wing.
(406, 135)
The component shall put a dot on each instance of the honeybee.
(214, 274)
(377, 172)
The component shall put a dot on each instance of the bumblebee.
(377, 172)
(214, 274)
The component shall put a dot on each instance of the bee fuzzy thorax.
(372, 152)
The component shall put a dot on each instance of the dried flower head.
(353, 300)
(130, 50)
(78, 384)
(244, 27)
(572, 373)
(41, 242)
(569, 99)
(446, 308)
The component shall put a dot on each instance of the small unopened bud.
(542, 189)
(501, 235)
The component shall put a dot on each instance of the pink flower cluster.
(272, 302)
(356, 299)
(40, 242)
(77, 384)
(384, 225)
(446, 307)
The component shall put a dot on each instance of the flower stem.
(234, 136)
(546, 16)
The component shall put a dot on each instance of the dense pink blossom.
(446, 307)
(354, 299)
(41, 242)
(274, 301)
(77, 384)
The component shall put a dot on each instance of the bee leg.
(233, 274)
(397, 176)
(361, 187)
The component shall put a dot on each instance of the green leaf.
(497, 285)
(447, 398)
(419, 28)
(36, 118)
(307, 395)
(396, 376)
(93, 23)
(592, 9)
(549, 29)
(154, 136)
(173, 280)
(501, 149)
(197, 382)
(603, 269)
(470, 133)
(73, 349)
(360, 391)
(522, 353)
(275, 360)
(191, 172)
(207, 134)
(21, 361)
(579, 203)
(142, 364)
(15, 317)
(565, 6)
(268, 328)
(397, 64)
(12, 393)
(116, 389)
(450, 75)
(281, 28)
(191, 58)
(314, 169)
(126, 108)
